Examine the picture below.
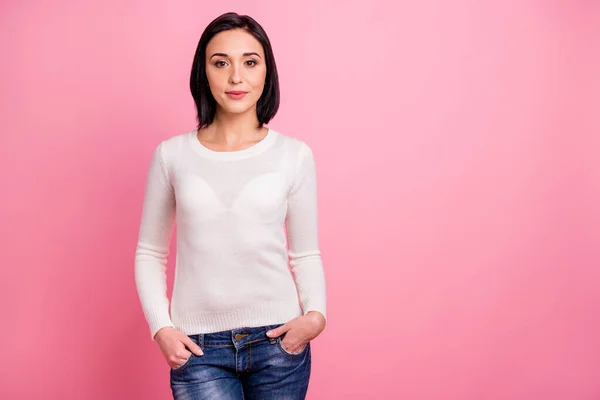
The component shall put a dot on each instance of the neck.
(230, 129)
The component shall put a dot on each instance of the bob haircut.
(206, 105)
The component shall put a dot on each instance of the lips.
(236, 94)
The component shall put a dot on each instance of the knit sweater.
(247, 244)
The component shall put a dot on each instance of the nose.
(235, 75)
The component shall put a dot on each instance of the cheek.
(215, 77)
(257, 92)
(258, 84)
(214, 82)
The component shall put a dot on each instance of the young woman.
(244, 200)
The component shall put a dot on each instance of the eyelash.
(218, 63)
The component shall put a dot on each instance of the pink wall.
(460, 186)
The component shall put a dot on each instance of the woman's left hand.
(299, 331)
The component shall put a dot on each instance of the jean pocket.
(197, 339)
(288, 353)
(184, 365)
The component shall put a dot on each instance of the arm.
(302, 234)
(155, 231)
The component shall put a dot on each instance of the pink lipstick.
(236, 94)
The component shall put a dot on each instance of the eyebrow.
(245, 55)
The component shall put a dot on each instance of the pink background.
(457, 155)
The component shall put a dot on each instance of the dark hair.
(206, 105)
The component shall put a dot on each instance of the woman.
(240, 321)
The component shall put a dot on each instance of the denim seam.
(250, 362)
(184, 365)
(254, 341)
(293, 355)
(231, 345)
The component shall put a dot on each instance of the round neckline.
(255, 149)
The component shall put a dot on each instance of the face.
(236, 70)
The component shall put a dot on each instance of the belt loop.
(201, 340)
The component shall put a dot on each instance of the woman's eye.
(250, 63)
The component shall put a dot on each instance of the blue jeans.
(240, 364)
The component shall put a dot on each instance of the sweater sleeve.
(302, 235)
(155, 231)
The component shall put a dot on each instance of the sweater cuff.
(158, 320)
(312, 306)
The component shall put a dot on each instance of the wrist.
(162, 331)
(317, 318)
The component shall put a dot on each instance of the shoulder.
(167, 151)
(175, 143)
(294, 146)
(171, 148)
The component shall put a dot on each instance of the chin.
(236, 108)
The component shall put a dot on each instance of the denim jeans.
(240, 364)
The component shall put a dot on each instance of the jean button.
(240, 336)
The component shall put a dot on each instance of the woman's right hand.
(173, 343)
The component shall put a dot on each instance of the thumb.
(194, 348)
(278, 331)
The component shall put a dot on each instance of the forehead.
(233, 42)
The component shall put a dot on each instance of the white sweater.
(231, 266)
